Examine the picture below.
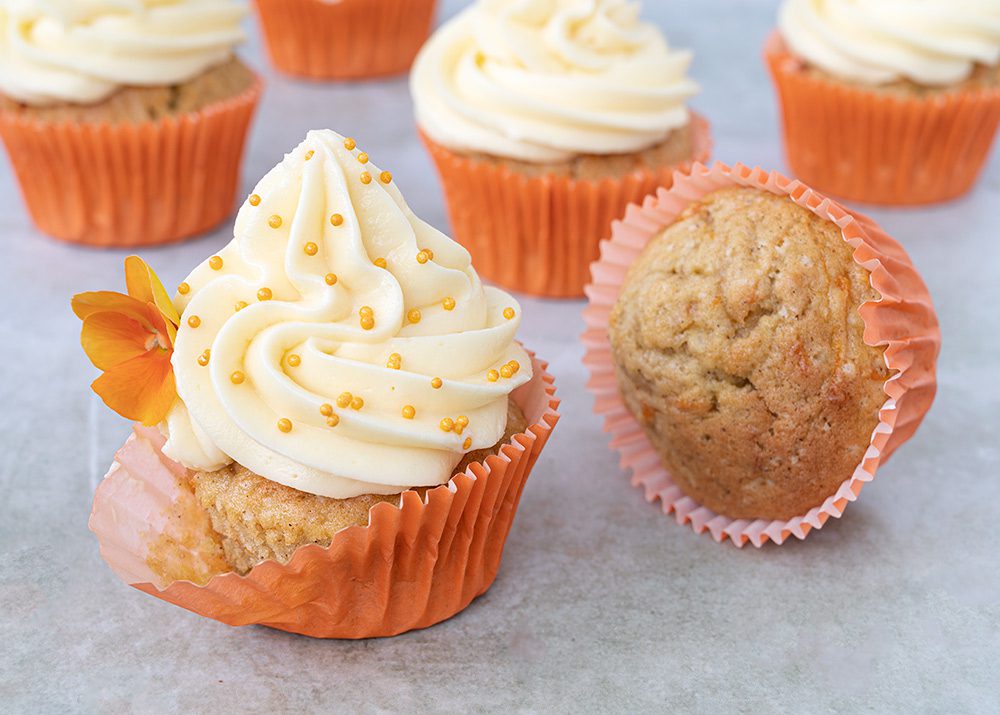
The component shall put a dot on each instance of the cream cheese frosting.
(339, 345)
(547, 80)
(82, 51)
(929, 42)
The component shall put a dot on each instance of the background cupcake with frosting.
(888, 102)
(545, 120)
(338, 420)
(125, 122)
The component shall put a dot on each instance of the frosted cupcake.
(338, 355)
(125, 123)
(886, 102)
(545, 121)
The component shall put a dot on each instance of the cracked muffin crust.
(739, 348)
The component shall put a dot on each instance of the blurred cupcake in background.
(545, 120)
(125, 122)
(344, 39)
(888, 102)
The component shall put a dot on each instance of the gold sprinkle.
(326, 409)
(264, 294)
(459, 428)
(395, 361)
(409, 412)
(381, 263)
(447, 424)
(367, 322)
(506, 372)
(429, 252)
(274, 221)
(448, 303)
(215, 263)
(514, 365)
(194, 321)
(462, 420)
(385, 177)
(349, 144)
(467, 443)
(294, 360)
(285, 425)
(204, 357)
(357, 403)
(311, 249)
(363, 158)
(309, 154)
(240, 305)
(436, 383)
(254, 200)
(366, 310)
(422, 257)
(413, 316)
(183, 289)
(492, 375)
(332, 421)
(508, 313)
(331, 279)
(336, 219)
(366, 178)
(344, 400)
(237, 377)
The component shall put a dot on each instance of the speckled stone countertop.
(603, 604)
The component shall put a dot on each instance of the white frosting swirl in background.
(374, 449)
(547, 80)
(82, 51)
(931, 42)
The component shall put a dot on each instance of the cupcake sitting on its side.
(888, 102)
(135, 143)
(545, 121)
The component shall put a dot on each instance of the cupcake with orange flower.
(337, 412)
(888, 102)
(545, 120)
(125, 122)
(347, 39)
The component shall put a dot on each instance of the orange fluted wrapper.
(348, 39)
(414, 565)
(903, 320)
(539, 234)
(131, 184)
(878, 147)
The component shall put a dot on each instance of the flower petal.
(140, 389)
(143, 284)
(104, 300)
(109, 339)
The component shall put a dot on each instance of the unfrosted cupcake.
(338, 355)
(346, 39)
(545, 121)
(139, 142)
(888, 102)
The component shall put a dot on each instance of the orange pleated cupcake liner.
(540, 234)
(902, 320)
(414, 565)
(131, 184)
(881, 148)
(348, 39)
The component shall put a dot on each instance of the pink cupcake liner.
(903, 320)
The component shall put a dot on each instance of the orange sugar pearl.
(326, 409)
(194, 321)
(349, 144)
(274, 221)
(447, 424)
(264, 294)
(436, 383)
(448, 303)
(409, 412)
(381, 263)
(204, 357)
(333, 421)
(413, 316)
(331, 279)
(492, 375)
(254, 200)
(363, 158)
(336, 219)
(344, 399)
(183, 289)
(506, 372)
(357, 403)
(294, 360)
(366, 178)
(309, 154)
(508, 313)
(237, 377)
(385, 177)
(285, 425)
(215, 263)
(311, 249)
(467, 443)
(240, 305)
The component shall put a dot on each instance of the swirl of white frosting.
(546, 80)
(930, 42)
(82, 51)
(326, 215)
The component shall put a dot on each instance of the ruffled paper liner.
(877, 147)
(414, 565)
(349, 39)
(903, 320)
(131, 184)
(539, 234)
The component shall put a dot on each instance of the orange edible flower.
(131, 338)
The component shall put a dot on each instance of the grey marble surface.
(603, 603)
